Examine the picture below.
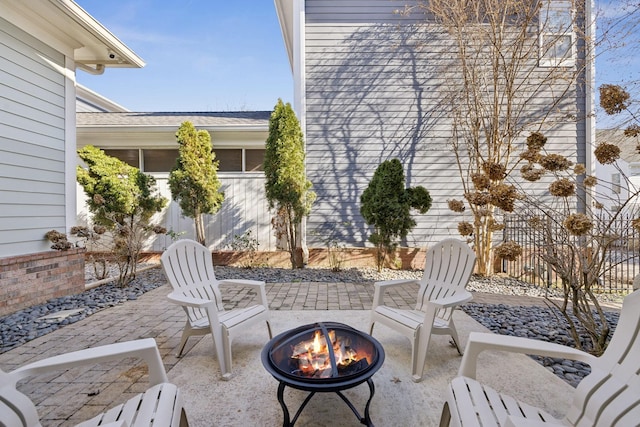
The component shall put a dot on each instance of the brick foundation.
(32, 279)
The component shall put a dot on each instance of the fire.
(314, 359)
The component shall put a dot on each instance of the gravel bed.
(531, 321)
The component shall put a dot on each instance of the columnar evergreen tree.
(386, 204)
(194, 180)
(286, 184)
(123, 199)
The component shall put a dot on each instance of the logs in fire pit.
(323, 357)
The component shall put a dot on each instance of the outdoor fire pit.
(323, 357)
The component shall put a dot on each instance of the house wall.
(374, 81)
(245, 207)
(32, 141)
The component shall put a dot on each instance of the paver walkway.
(64, 399)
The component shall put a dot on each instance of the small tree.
(194, 180)
(122, 199)
(286, 184)
(386, 204)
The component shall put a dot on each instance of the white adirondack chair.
(448, 268)
(159, 406)
(609, 396)
(189, 269)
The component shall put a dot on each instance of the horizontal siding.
(32, 141)
(376, 87)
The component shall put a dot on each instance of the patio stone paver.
(66, 398)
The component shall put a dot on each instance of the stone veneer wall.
(27, 280)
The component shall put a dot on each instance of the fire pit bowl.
(323, 357)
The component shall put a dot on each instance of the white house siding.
(32, 141)
(373, 84)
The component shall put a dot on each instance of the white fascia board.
(284, 11)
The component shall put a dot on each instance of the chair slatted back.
(189, 268)
(448, 268)
(610, 395)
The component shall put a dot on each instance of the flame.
(313, 355)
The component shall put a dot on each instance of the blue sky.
(201, 55)
(212, 55)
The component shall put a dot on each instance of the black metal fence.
(621, 261)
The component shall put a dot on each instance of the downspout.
(590, 120)
(299, 97)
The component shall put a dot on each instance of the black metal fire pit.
(323, 357)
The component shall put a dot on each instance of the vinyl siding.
(375, 82)
(32, 141)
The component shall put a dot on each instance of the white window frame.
(553, 9)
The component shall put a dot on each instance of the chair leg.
(269, 329)
(186, 333)
(445, 417)
(454, 337)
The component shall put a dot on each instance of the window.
(557, 38)
(230, 160)
(163, 160)
(239, 160)
(159, 160)
(254, 160)
(130, 157)
(615, 183)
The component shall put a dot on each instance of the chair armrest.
(479, 342)
(453, 300)
(145, 349)
(382, 286)
(260, 288)
(184, 300)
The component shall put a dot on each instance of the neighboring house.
(367, 86)
(42, 44)
(148, 141)
(619, 181)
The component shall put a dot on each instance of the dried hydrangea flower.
(613, 99)
(563, 187)
(531, 156)
(503, 196)
(158, 229)
(536, 223)
(495, 226)
(530, 173)
(480, 181)
(456, 205)
(579, 169)
(477, 198)
(555, 162)
(590, 181)
(632, 131)
(598, 205)
(99, 229)
(495, 171)
(578, 224)
(607, 153)
(536, 141)
(635, 223)
(509, 250)
(465, 228)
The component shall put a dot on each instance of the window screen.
(230, 160)
(159, 160)
(254, 160)
(130, 157)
